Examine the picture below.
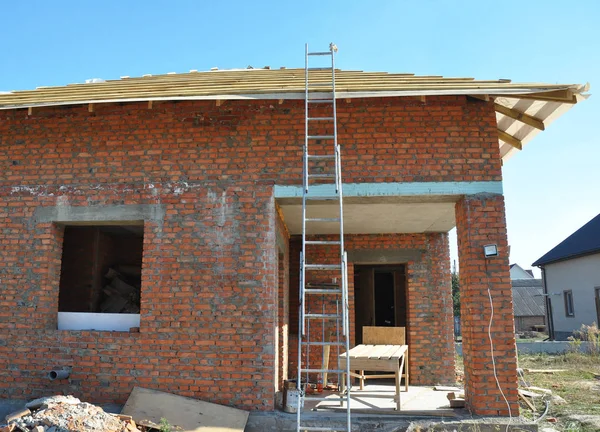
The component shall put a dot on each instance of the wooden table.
(384, 358)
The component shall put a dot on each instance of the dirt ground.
(578, 385)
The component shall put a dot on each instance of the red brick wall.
(430, 328)
(480, 220)
(390, 139)
(209, 284)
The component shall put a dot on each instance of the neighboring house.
(150, 228)
(528, 299)
(528, 304)
(571, 273)
(518, 272)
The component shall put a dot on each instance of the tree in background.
(455, 292)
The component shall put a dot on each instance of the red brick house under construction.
(181, 194)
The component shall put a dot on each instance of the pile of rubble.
(66, 414)
(122, 293)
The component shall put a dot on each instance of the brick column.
(480, 220)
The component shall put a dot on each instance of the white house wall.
(581, 275)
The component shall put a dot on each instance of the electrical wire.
(492, 349)
(491, 321)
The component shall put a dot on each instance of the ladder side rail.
(348, 378)
(299, 374)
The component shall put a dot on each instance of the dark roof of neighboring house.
(528, 299)
(584, 241)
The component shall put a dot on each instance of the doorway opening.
(380, 297)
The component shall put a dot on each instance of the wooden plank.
(377, 351)
(384, 335)
(546, 371)
(147, 407)
(447, 389)
(360, 350)
(519, 116)
(530, 394)
(401, 351)
(509, 139)
(391, 351)
(527, 402)
(325, 363)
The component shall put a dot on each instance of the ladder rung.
(323, 242)
(320, 136)
(321, 176)
(321, 156)
(320, 118)
(320, 100)
(321, 53)
(342, 344)
(329, 371)
(323, 316)
(322, 197)
(325, 398)
(322, 219)
(322, 266)
(322, 291)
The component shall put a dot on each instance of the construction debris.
(66, 414)
(457, 400)
(122, 293)
(546, 371)
(447, 388)
(527, 402)
(149, 407)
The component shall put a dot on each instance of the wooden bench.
(383, 349)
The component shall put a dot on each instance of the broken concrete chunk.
(113, 304)
(52, 400)
(557, 400)
(111, 274)
(17, 415)
(122, 287)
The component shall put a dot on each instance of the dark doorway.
(379, 296)
(385, 315)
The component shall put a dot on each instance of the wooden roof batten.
(522, 109)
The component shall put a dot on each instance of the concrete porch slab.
(380, 399)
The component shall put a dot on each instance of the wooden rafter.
(511, 140)
(560, 96)
(519, 116)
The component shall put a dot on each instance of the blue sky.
(551, 188)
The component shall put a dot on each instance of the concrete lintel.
(384, 256)
(394, 189)
(100, 214)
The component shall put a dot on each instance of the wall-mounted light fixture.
(490, 250)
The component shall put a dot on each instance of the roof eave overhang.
(543, 263)
(522, 112)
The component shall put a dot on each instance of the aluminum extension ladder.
(323, 285)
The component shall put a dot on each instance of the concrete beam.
(384, 256)
(408, 189)
(97, 215)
